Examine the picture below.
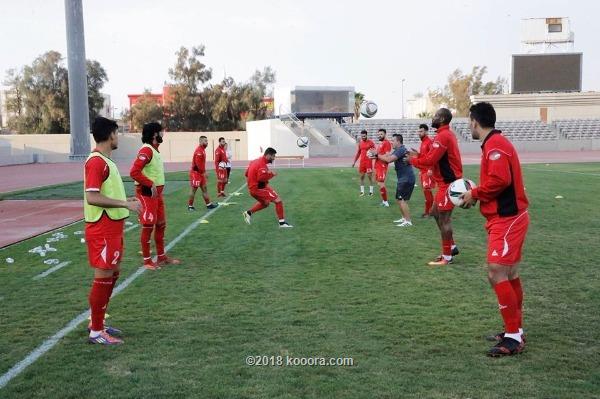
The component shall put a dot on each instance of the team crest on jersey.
(435, 144)
(494, 156)
(142, 158)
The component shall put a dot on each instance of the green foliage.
(460, 87)
(38, 97)
(145, 110)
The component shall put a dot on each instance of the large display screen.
(535, 73)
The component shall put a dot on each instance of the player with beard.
(198, 177)
(366, 164)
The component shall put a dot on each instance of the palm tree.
(358, 99)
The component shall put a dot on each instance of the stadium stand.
(578, 128)
(517, 130)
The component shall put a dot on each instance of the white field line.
(48, 344)
(52, 270)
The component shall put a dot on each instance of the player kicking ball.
(105, 209)
(406, 178)
(366, 164)
(257, 177)
(503, 203)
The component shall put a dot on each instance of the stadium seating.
(579, 128)
(517, 130)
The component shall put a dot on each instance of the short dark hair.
(364, 132)
(102, 128)
(202, 137)
(399, 137)
(445, 112)
(149, 130)
(484, 114)
(221, 138)
(424, 127)
(382, 130)
(270, 151)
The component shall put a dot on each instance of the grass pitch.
(344, 283)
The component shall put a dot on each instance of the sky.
(371, 45)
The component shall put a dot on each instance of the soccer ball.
(222, 165)
(302, 142)
(458, 188)
(372, 154)
(368, 109)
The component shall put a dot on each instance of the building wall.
(558, 105)
(177, 146)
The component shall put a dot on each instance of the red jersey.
(384, 147)
(199, 160)
(220, 156)
(363, 147)
(96, 172)
(501, 192)
(444, 157)
(258, 174)
(424, 149)
(144, 156)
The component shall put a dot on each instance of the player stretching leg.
(445, 160)
(198, 175)
(105, 209)
(381, 167)
(366, 164)
(501, 194)
(148, 173)
(406, 178)
(257, 177)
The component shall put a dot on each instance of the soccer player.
(366, 164)
(198, 175)
(444, 159)
(381, 167)
(229, 157)
(105, 209)
(502, 199)
(406, 178)
(427, 182)
(220, 168)
(257, 177)
(148, 173)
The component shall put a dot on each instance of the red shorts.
(197, 179)
(427, 182)
(264, 195)
(104, 252)
(365, 166)
(153, 209)
(506, 237)
(441, 199)
(221, 174)
(380, 172)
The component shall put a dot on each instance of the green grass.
(344, 283)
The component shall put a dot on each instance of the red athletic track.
(23, 219)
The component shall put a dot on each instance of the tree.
(39, 94)
(145, 110)
(456, 94)
(189, 71)
(358, 100)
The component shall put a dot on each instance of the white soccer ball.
(458, 188)
(302, 142)
(222, 165)
(368, 109)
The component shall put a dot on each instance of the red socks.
(428, 200)
(383, 192)
(518, 289)
(145, 240)
(159, 238)
(279, 210)
(98, 299)
(257, 207)
(206, 199)
(191, 201)
(447, 247)
(507, 302)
